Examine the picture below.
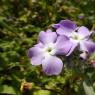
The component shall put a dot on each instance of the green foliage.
(88, 88)
(20, 23)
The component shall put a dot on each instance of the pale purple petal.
(39, 45)
(88, 46)
(63, 45)
(83, 31)
(36, 55)
(64, 31)
(47, 37)
(74, 45)
(52, 65)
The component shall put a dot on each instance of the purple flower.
(80, 38)
(49, 45)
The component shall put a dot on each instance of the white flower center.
(49, 49)
(76, 37)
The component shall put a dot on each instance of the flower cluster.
(67, 37)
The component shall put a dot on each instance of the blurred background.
(20, 23)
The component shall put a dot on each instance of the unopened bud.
(91, 59)
(84, 55)
(26, 86)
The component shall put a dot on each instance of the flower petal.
(36, 55)
(83, 31)
(62, 45)
(47, 37)
(65, 27)
(52, 65)
(74, 45)
(64, 31)
(68, 24)
(88, 46)
(39, 45)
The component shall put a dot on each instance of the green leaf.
(42, 92)
(88, 88)
(5, 89)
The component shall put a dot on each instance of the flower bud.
(84, 55)
(26, 86)
(91, 59)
